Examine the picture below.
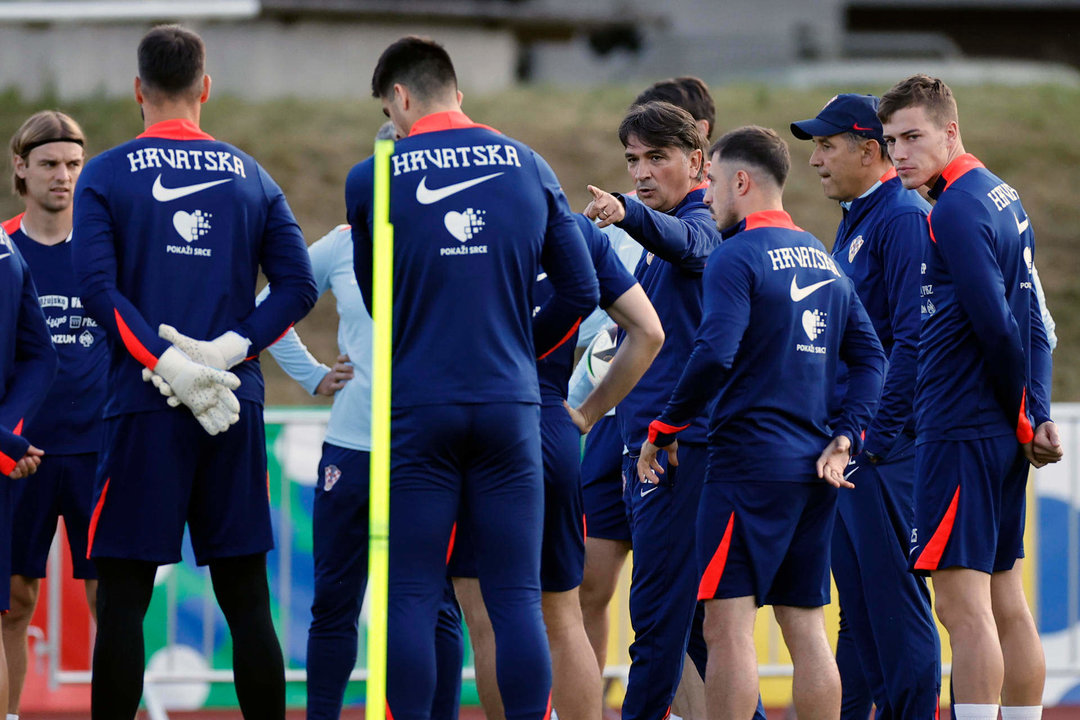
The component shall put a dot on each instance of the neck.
(47, 228)
(873, 174)
(956, 152)
(760, 202)
(153, 113)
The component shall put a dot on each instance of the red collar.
(176, 129)
(889, 175)
(12, 224)
(958, 167)
(770, 218)
(703, 185)
(449, 120)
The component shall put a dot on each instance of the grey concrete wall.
(252, 59)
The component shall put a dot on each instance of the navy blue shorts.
(159, 470)
(969, 505)
(562, 558)
(62, 486)
(767, 539)
(603, 483)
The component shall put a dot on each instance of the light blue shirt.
(350, 415)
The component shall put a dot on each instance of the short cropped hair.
(172, 61)
(931, 94)
(41, 128)
(420, 64)
(661, 124)
(689, 93)
(854, 140)
(757, 146)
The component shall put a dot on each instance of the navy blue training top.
(27, 358)
(677, 245)
(984, 361)
(69, 420)
(879, 246)
(475, 215)
(557, 366)
(173, 227)
(779, 315)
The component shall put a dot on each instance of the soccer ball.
(599, 352)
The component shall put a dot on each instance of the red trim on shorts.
(450, 545)
(770, 218)
(389, 715)
(931, 554)
(584, 526)
(18, 427)
(136, 348)
(1024, 432)
(931, 226)
(566, 337)
(268, 498)
(175, 129)
(12, 224)
(95, 517)
(547, 713)
(710, 579)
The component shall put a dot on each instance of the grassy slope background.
(1025, 135)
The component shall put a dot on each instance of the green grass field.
(1023, 134)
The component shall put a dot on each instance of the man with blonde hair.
(47, 154)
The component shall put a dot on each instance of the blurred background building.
(274, 48)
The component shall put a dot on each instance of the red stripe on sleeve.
(450, 545)
(566, 337)
(95, 517)
(931, 554)
(656, 427)
(1024, 432)
(710, 580)
(7, 464)
(136, 348)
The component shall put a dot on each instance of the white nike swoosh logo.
(541, 276)
(850, 472)
(798, 293)
(164, 194)
(4, 256)
(645, 492)
(426, 196)
(1021, 226)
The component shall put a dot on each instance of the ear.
(138, 91)
(695, 159)
(20, 166)
(460, 97)
(740, 182)
(205, 95)
(401, 96)
(871, 151)
(952, 133)
(703, 128)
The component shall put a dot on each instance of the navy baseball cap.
(844, 113)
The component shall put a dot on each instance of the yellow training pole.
(379, 518)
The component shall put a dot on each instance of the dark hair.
(420, 64)
(661, 124)
(757, 146)
(40, 128)
(854, 140)
(920, 91)
(172, 61)
(689, 93)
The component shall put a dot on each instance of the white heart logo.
(813, 323)
(458, 225)
(191, 226)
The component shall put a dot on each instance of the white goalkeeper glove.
(206, 391)
(223, 352)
